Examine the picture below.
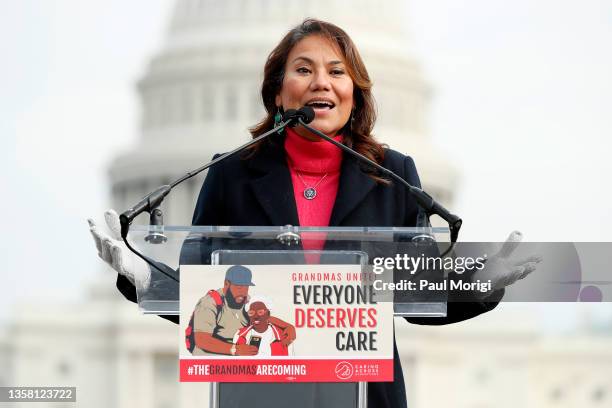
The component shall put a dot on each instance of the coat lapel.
(353, 187)
(272, 185)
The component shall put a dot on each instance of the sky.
(521, 104)
(68, 106)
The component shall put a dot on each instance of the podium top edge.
(260, 229)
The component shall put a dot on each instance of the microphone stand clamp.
(156, 227)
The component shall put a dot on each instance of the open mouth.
(256, 321)
(319, 104)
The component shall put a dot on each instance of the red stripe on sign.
(230, 370)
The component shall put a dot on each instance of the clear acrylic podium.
(170, 247)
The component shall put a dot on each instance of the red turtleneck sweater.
(315, 162)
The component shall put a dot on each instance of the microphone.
(305, 114)
(149, 203)
(425, 201)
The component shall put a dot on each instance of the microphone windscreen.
(307, 113)
(289, 114)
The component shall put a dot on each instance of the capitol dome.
(200, 92)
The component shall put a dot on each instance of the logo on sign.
(344, 370)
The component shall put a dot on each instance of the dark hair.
(358, 130)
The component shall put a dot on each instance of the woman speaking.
(296, 178)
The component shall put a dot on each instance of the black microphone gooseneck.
(427, 202)
(151, 201)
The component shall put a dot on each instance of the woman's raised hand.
(502, 269)
(113, 251)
